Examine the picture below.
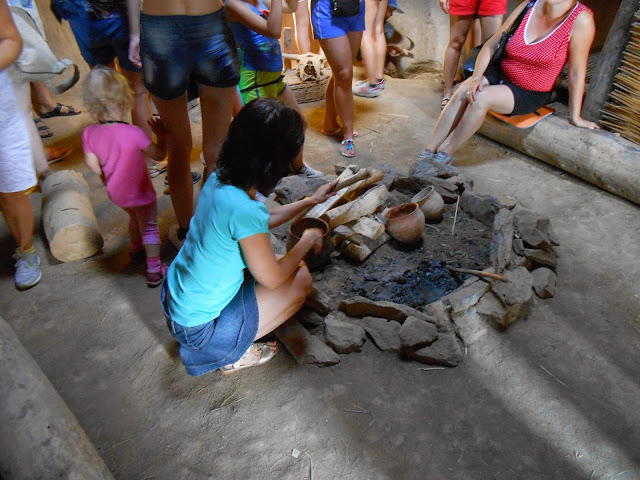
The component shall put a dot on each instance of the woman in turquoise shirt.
(213, 307)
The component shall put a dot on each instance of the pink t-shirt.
(119, 147)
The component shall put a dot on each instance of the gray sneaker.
(309, 172)
(426, 154)
(442, 157)
(28, 271)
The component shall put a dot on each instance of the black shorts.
(526, 101)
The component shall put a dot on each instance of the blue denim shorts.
(101, 40)
(221, 341)
(326, 25)
(174, 47)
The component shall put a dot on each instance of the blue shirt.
(259, 52)
(209, 268)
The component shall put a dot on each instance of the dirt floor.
(552, 397)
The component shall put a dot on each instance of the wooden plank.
(369, 227)
(609, 60)
(361, 206)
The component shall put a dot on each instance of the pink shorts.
(484, 8)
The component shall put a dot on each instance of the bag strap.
(519, 19)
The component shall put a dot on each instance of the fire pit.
(418, 299)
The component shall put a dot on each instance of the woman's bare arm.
(263, 264)
(284, 213)
(10, 41)
(240, 11)
(582, 35)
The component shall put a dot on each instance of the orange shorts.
(484, 8)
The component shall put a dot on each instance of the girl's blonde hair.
(106, 94)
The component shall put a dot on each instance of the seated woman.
(551, 32)
(214, 308)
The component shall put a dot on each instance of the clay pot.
(431, 203)
(297, 228)
(405, 222)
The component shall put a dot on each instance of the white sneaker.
(172, 235)
(309, 172)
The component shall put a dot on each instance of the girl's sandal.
(266, 355)
(445, 101)
(347, 149)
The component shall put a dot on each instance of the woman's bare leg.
(374, 44)
(175, 117)
(301, 22)
(18, 214)
(46, 101)
(489, 25)
(458, 29)
(141, 109)
(498, 98)
(217, 108)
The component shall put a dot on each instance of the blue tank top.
(259, 53)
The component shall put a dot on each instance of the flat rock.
(416, 333)
(446, 351)
(491, 309)
(413, 184)
(544, 282)
(363, 307)
(303, 346)
(385, 334)
(519, 261)
(432, 168)
(390, 173)
(481, 207)
(463, 298)
(295, 187)
(309, 318)
(343, 337)
(501, 248)
(507, 202)
(518, 289)
(518, 246)
(470, 325)
(440, 312)
(463, 182)
(534, 229)
(319, 301)
(541, 257)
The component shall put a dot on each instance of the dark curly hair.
(263, 140)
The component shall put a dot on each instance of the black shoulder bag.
(345, 8)
(470, 64)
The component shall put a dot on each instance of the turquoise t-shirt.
(209, 268)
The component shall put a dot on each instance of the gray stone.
(432, 168)
(518, 261)
(385, 334)
(390, 173)
(464, 297)
(416, 333)
(309, 318)
(363, 307)
(412, 185)
(447, 351)
(534, 229)
(470, 325)
(491, 309)
(518, 246)
(480, 207)
(507, 202)
(518, 288)
(319, 301)
(440, 312)
(541, 257)
(303, 346)
(544, 282)
(295, 187)
(343, 337)
(501, 248)
(463, 182)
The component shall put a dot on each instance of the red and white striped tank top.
(536, 66)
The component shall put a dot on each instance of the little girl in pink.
(116, 151)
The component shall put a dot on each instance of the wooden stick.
(455, 216)
(479, 273)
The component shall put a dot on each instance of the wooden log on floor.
(601, 158)
(40, 437)
(67, 216)
(361, 206)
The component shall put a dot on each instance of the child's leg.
(135, 238)
(147, 216)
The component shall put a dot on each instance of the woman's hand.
(475, 86)
(582, 123)
(134, 50)
(159, 129)
(324, 192)
(313, 237)
(444, 4)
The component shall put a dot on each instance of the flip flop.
(157, 169)
(337, 133)
(57, 112)
(266, 355)
(56, 154)
(346, 148)
(445, 101)
(43, 130)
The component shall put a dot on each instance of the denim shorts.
(221, 341)
(326, 25)
(174, 47)
(101, 40)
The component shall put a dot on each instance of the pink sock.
(153, 264)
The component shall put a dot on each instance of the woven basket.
(306, 91)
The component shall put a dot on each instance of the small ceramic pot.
(405, 222)
(431, 203)
(297, 228)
